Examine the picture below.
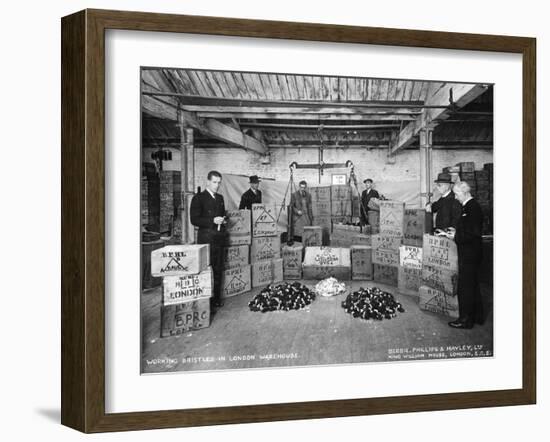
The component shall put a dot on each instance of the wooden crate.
(265, 247)
(267, 272)
(322, 262)
(439, 252)
(292, 260)
(467, 166)
(312, 236)
(436, 301)
(178, 289)
(361, 263)
(321, 208)
(180, 318)
(239, 227)
(416, 222)
(385, 274)
(440, 279)
(392, 214)
(236, 281)
(320, 193)
(340, 193)
(409, 280)
(236, 256)
(264, 220)
(341, 207)
(381, 241)
(410, 257)
(175, 260)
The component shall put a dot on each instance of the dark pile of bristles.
(372, 303)
(285, 296)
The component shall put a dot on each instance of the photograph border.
(83, 219)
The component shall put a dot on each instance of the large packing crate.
(340, 192)
(343, 235)
(341, 208)
(236, 281)
(292, 260)
(440, 252)
(170, 197)
(416, 222)
(320, 193)
(361, 263)
(467, 166)
(322, 262)
(321, 208)
(392, 214)
(185, 259)
(150, 202)
(235, 256)
(385, 274)
(436, 301)
(312, 236)
(410, 257)
(267, 272)
(409, 280)
(178, 289)
(179, 318)
(239, 227)
(264, 220)
(265, 247)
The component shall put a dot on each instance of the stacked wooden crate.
(340, 204)
(265, 252)
(186, 287)
(150, 198)
(292, 260)
(322, 210)
(170, 198)
(439, 276)
(416, 223)
(236, 278)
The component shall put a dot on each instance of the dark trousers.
(469, 295)
(216, 240)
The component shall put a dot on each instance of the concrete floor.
(321, 334)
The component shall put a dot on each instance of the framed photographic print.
(268, 221)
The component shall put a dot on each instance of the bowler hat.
(443, 178)
(254, 179)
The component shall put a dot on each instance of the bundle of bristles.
(285, 296)
(372, 303)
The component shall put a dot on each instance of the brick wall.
(372, 164)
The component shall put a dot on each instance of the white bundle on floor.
(330, 287)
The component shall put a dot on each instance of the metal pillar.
(426, 141)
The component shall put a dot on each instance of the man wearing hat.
(252, 195)
(366, 196)
(446, 208)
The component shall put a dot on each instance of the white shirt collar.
(464, 203)
(446, 193)
(211, 193)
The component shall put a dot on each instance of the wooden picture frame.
(83, 220)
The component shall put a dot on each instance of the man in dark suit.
(446, 208)
(252, 195)
(366, 196)
(302, 212)
(469, 246)
(207, 212)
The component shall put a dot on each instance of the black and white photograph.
(295, 220)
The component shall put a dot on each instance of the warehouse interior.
(286, 128)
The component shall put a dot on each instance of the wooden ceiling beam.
(462, 95)
(316, 110)
(308, 117)
(161, 108)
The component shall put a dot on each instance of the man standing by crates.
(366, 196)
(446, 208)
(467, 236)
(252, 195)
(207, 212)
